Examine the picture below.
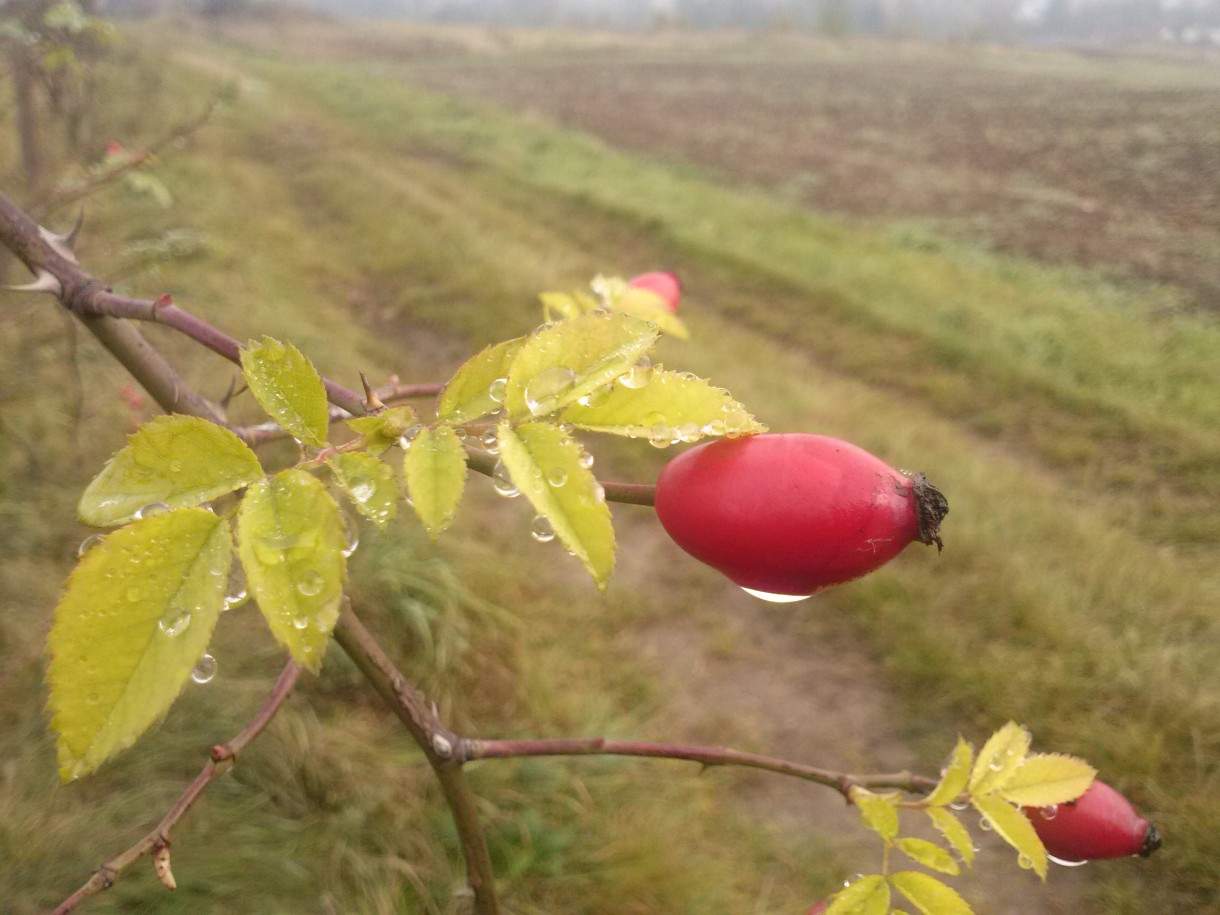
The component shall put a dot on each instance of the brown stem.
(629, 493)
(220, 761)
(470, 750)
(388, 394)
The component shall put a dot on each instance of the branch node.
(107, 875)
(164, 300)
(161, 866)
(442, 746)
(221, 752)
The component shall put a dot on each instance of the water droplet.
(205, 670)
(585, 460)
(958, 806)
(689, 432)
(557, 476)
(541, 529)
(660, 436)
(310, 583)
(498, 390)
(502, 482)
(1049, 812)
(408, 436)
(544, 390)
(490, 441)
(237, 593)
(271, 549)
(174, 623)
(984, 824)
(300, 622)
(362, 488)
(89, 543)
(1062, 863)
(638, 375)
(594, 397)
(776, 598)
(152, 508)
(1025, 862)
(715, 427)
(995, 766)
(351, 533)
(567, 428)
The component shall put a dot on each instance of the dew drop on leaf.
(545, 388)
(489, 441)
(638, 375)
(1025, 862)
(310, 583)
(174, 623)
(147, 511)
(1049, 812)
(300, 622)
(585, 460)
(594, 397)
(776, 598)
(408, 436)
(205, 670)
(984, 824)
(498, 390)
(502, 482)
(541, 529)
(88, 543)
(362, 488)
(557, 476)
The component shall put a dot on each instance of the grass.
(386, 228)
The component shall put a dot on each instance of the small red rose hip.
(787, 515)
(817, 908)
(1101, 823)
(663, 283)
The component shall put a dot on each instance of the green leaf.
(1048, 778)
(369, 483)
(435, 468)
(559, 305)
(287, 386)
(880, 812)
(571, 359)
(137, 613)
(929, 895)
(929, 854)
(646, 304)
(671, 407)
(291, 547)
(999, 759)
(469, 393)
(954, 832)
(867, 895)
(953, 782)
(546, 466)
(382, 430)
(178, 460)
(1011, 825)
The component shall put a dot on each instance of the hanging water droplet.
(351, 533)
(776, 598)
(300, 622)
(408, 436)
(498, 390)
(585, 460)
(958, 806)
(1049, 812)
(638, 375)
(689, 432)
(541, 529)
(174, 623)
(490, 441)
(715, 427)
(1062, 863)
(1025, 862)
(237, 594)
(984, 824)
(310, 583)
(567, 428)
(557, 476)
(152, 508)
(502, 482)
(659, 436)
(362, 488)
(88, 543)
(545, 389)
(205, 670)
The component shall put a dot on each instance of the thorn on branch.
(62, 244)
(372, 402)
(44, 281)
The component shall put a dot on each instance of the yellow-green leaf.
(569, 360)
(867, 895)
(291, 547)
(954, 832)
(547, 467)
(929, 854)
(671, 407)
(381, 431)
(646, 304)
(287, 386)
(880, 811)
(557, 306)
(999, 759)
(369, 483)
(1011, 825)
(178, 460)
(1048, 778)
(435, 468)
(137, 613)
(929, 895)
(479, 385)
(953, 782)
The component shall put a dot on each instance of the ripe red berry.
(817, 908)
(792, 514)
(663, 283)
(1101, 823)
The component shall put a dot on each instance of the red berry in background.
(817, 908)
(1101, 823)
(663, 283)
(788, 515)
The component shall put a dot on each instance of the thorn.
(60, 244)
(161, 866)
(233, 390)
(44, 281)
(372, 402)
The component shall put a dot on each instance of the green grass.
(387, 229)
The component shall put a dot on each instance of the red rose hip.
(663, 283)
(1101, 823)
(788, 515)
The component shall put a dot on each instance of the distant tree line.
(1079, 21)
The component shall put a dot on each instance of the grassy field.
(1070, 414)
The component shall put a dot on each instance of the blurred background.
(979, 239)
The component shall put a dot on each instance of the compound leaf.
(291, 547)
(999, 759)
(929, 895)
(1048, 778)
(672, 407)
(475, 388)
(435, 468)
(569, 360)
(546, 466)
(178, 460)
(136, 615)
(867, 895)
(288, 388)
(369, 483)
(1011, 825)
